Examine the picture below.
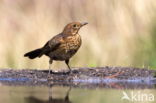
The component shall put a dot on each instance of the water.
(92, 90)
(67, 94)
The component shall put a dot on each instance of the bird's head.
(73, 28)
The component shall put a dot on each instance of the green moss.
(92, 65)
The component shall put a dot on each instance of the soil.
(111, 77)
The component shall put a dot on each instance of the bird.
(62, 46)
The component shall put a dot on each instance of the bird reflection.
(33, 99)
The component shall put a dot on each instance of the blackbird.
(62, 46)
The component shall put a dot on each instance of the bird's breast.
(67, 49)
(73, 42)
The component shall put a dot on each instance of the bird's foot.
(75, 71)
(50, 72)
(57, 72)
(68, 72)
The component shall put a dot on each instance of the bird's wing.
(52, 44)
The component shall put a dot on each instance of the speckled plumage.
(62, 46)
(67, 48)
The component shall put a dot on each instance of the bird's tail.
(33, 54)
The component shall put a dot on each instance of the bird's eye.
(74, 25)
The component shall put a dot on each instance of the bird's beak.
(84, 23)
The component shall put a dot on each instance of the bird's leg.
(67, 63)
(50, 63)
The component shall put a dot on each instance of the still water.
(66, 94)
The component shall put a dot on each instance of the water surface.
(67, 94)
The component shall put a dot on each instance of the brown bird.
(62, 46)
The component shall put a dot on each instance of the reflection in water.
(62, 94)
(32, 99)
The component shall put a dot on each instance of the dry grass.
(120, 32)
